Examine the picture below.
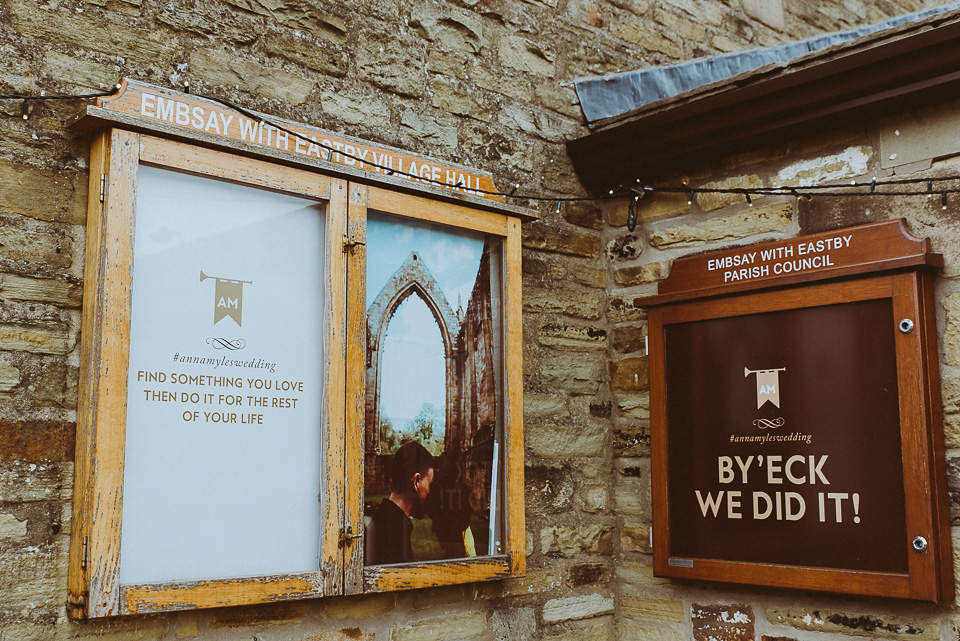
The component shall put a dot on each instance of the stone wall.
(483, 82)
(899, 147)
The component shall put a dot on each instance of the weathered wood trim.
(111, 261)
(386, 578)
(334, 473)
(514, 519)
(190, 595)
(435, 211)
(77, 577)
(355, 363)
(201, 161)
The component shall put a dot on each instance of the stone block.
(630, 374)
(41, 290)
(584, 214)
(569, 302)
(950, 392)
(561, 241)
(536, 582)
(640, 608)
(548, 490)
(298, 15)
(355, 607)
(56, 386)
(634, 632)
(853, 161)
(689, 30)
(641, 274)
(576, 607)
(449, 28)
(324, 58)
(464, 625)
(534, 405)
(595, 498)
(353, 109)
(25, 241)
(12, 528)
(31, 577)
(525, 55)
(188, 625)
(589, 276)
(78, 71)
(572, 337)
(628, 496)
(577, 372)
(733, 622)
(448, 63)
(623, 310)
(344, 634)
(443, 596)
(566, 439)
(588, 574)
(769, 12)
(562, 100)
(593, 633)
(711, 201)
(516, 624)
(752, 220)
(569, 542)
(395, 66)
(634, 406)
(451, 97)
(134, 628)
(37, 441)
(227, 27)
(653, 206)
(626, 247)
(631, 437)
(263, 614)
(868, 625)
(110, 37)
(635, 538)
(628, 338)
(428, 129)
(22, 482)
(9, 376)
(39, 338)
(951, 330)
(219, 68)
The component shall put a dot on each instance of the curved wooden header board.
(795, 408)
(869, 248)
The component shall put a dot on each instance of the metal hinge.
(350, 244)
(103, 187)
(83, 555)
(347, 535)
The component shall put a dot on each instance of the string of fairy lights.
(940, 186)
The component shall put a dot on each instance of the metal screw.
(906, 326)
(919, 544)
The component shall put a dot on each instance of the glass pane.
(433, 381)
(222, 468)
(803, 406)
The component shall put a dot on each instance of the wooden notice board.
(796, 419)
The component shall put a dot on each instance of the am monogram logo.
(768, 385)
(228, 298)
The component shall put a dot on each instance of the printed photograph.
(432, 381)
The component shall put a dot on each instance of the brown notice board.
(795, 416)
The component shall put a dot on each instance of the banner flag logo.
(228, 298)
(768, 385)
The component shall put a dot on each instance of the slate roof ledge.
(914, 64)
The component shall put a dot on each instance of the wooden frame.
(94, 587)
(868, 277)
(512, 562)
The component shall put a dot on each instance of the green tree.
(428, 421)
